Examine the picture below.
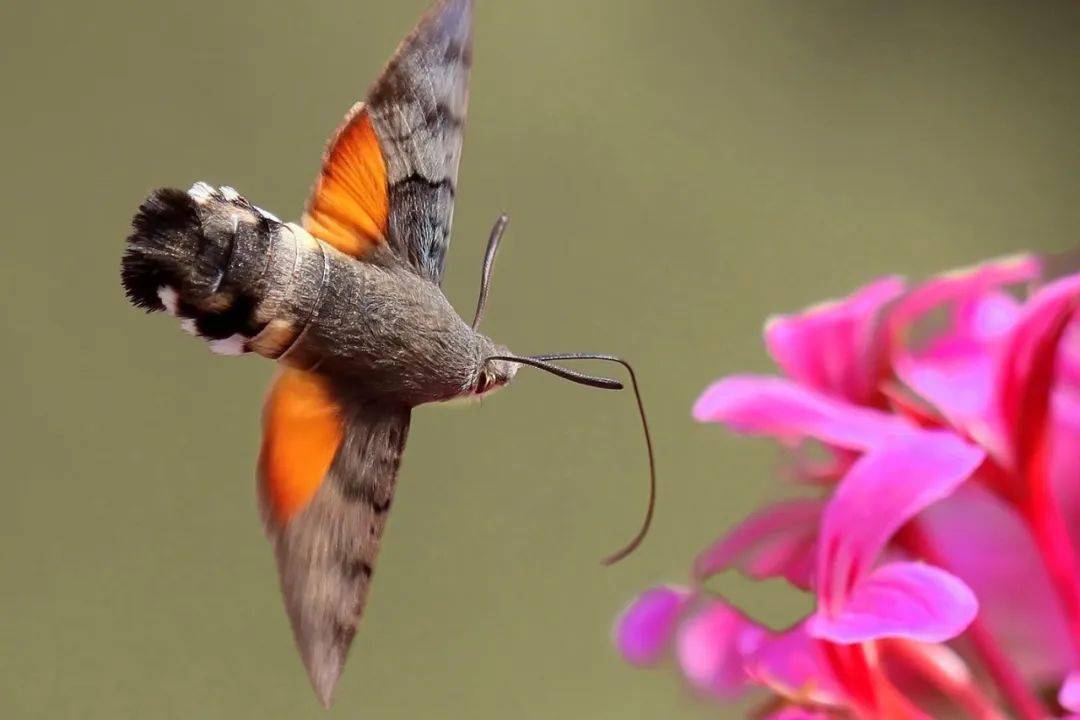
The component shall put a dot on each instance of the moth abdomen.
(235, 275)
(165, 230)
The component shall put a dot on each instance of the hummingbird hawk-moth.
(349, 304)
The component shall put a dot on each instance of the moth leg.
(489, 265)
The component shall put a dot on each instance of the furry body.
(377, 330)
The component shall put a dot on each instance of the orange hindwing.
(302, 429)
(350, 204)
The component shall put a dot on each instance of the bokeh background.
(675, 172)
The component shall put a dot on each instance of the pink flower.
(836, 347)
(881, 492)
(859, 600)
(953, 479)
(708, 638)
(1069, 696)
(649, 623)
(777, 541)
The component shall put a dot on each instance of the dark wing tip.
(451, 17)
(418, 108)
(447, 24)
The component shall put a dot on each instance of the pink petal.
(960, 286)
(771, 406)
(1027, 373)
(645, 629)
(711, 646)
(778, 540)
(1069, 695)
(959, 379)
(1065, 456)
(988, 318)
(882, 491)
(935, 660)
(793, 665)
(900, 600)
(832, 347)
(957, 372)
(926, 669)
(797, 713)
(984, 542)
(1069, 358)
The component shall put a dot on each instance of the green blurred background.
(675, 171)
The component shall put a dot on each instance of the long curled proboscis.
(546, 363)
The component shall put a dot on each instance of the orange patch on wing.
(301, 433)
(350, 204)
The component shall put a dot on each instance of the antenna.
(489, 265)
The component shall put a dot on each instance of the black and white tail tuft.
(200, 255)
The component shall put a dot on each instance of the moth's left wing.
(350, 203)
(390, 173)
(328, 470)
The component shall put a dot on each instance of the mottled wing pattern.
(418, 107)
(327, 468)
(326, 552)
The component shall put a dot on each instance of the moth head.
(494, 373)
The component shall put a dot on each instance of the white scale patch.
(200, 192)
(168, 298)
(232, 345)
(268, 215)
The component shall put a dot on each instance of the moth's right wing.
(327, 473)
